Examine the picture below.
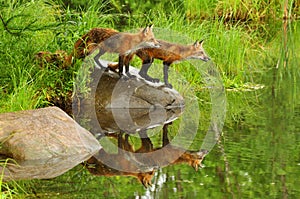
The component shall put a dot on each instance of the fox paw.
(168, 85)
(148, 78)
(154, 80)
(129, 75)
(123, 77)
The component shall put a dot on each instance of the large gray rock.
(115, 104)
(44, 143)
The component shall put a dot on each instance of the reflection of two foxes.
(166, 155)
(143, 44)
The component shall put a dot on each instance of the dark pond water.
(257, 155)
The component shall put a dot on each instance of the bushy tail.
(59, 58)
(90, 41)
(82, 48)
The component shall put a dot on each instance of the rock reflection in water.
(39, 169)
(143, 162)
(115, 104)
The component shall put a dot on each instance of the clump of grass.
(23, 25)
(36, 26)
(9, 189)
(242, 10)
(24, 94)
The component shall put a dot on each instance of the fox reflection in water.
(142, 163)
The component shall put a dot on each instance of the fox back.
(125, 43)
(120, 160)
(88, 42)
(98, 168)
(170, 52)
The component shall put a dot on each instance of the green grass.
(243, 38)
(9, 190)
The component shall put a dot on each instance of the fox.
(167, 153)
(168, 53)
(96, 167)
(82, 47)
(106, 40)
(85, 45)
(125, 44)
(167, 156)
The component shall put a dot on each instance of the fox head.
(148, 37)
(198, 51)
(194, 159)
(145, 178)
(147, 40)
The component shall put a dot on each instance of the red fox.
(127, 166)
(90, 41)
(125, 44)
(82, 47)
(168, 53)
(166, 155)
(107, 40)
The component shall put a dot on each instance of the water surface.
(257, 155)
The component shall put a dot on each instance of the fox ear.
(148, 29)
(151, 26)
(198, 44)
(201, 42)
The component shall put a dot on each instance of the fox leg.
(147, 145)
(126, 62)
(127, 71)
(120, 139)
(121, 64)
(144, 70)
(123, 143)
(166, 74)
(97, 57)
(166, 140)
(114, 67)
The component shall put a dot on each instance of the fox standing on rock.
(106, 40)
(125, 44)
(83, 47)
(143, 44)
(168, 53)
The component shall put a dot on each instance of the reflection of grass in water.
(5, 190)
(12, 188)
